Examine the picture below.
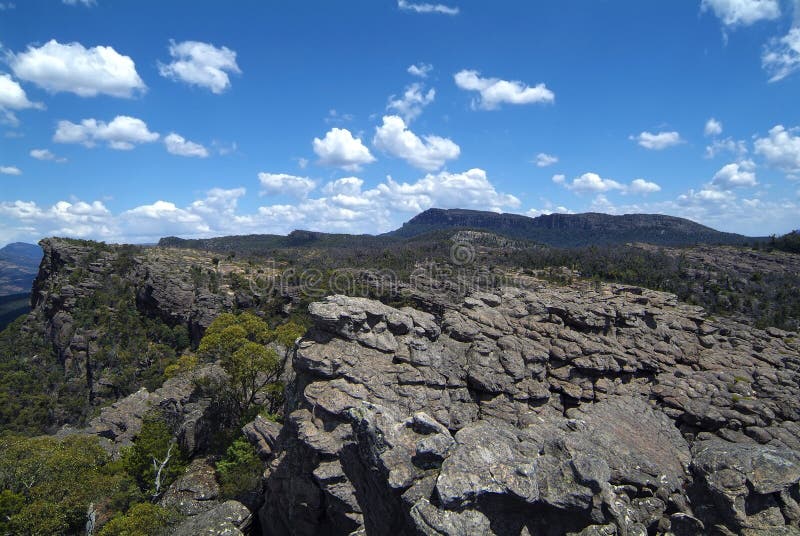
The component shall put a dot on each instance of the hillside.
(447, 347)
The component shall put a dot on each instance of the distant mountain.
(19, 263)
(558, 230)
(571, 230)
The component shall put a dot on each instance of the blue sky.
(128, 120)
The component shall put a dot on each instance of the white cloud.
(75, 69)
(46, 154)
(13, 97)
(706, 195)
(470, 189)
(658, 141)
(345, 185)
(737, 147)
(201, 64)
(87, 3)
(10, 170)
(742, 12)
(7, 5)
(344, 206)
(340, 149)
(592, 182)
(713, 127)
(781, 149)
(177, 144)
(429, 153)
(494, 92)
(737, 174)
(548, 208)
(410, 105)
(427, 8)
(284, 184)
(544, 159)
(781, 56)
(123, 133)
(421, 70)
(641, 186)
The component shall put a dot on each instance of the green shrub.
(154, 443)
(142, 519)
(240, 470)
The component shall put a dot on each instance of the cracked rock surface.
(541, 411)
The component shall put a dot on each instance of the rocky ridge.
(539, 410)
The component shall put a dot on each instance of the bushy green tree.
(240, 343)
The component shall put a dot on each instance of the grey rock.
(230, 518)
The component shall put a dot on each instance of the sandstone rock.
(538, 411)
(230, 518)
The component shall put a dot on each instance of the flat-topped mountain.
(557, 230)
(569, 230)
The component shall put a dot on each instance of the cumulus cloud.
(178, 145)
(641, 186)
(409, 106)
(544, 159)
(429, 152)
(728, 145)
(284, 184)
(494, 91)
(657, 141)
(781, 56)
(742, 12)
(713, 127)
(344, 205)
(10, 170)
(421, 70)
(417, 7)
(594, 183)
(201, 64)
(13, 97)
(470, 189)
(46, 154)
(781, 149)
(64, 218)
(340, 149)
(75, 69)
(735, 175)
(123, 133)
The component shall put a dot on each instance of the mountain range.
(556, 230)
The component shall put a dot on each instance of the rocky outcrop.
(182, 401)
(540, 410)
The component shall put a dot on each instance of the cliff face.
(101, 306)
(540, 410)
(567, 230)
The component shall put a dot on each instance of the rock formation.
(541, 410)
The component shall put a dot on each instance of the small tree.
(154, 460)
(239, 342)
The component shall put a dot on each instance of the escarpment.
(542, 410)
